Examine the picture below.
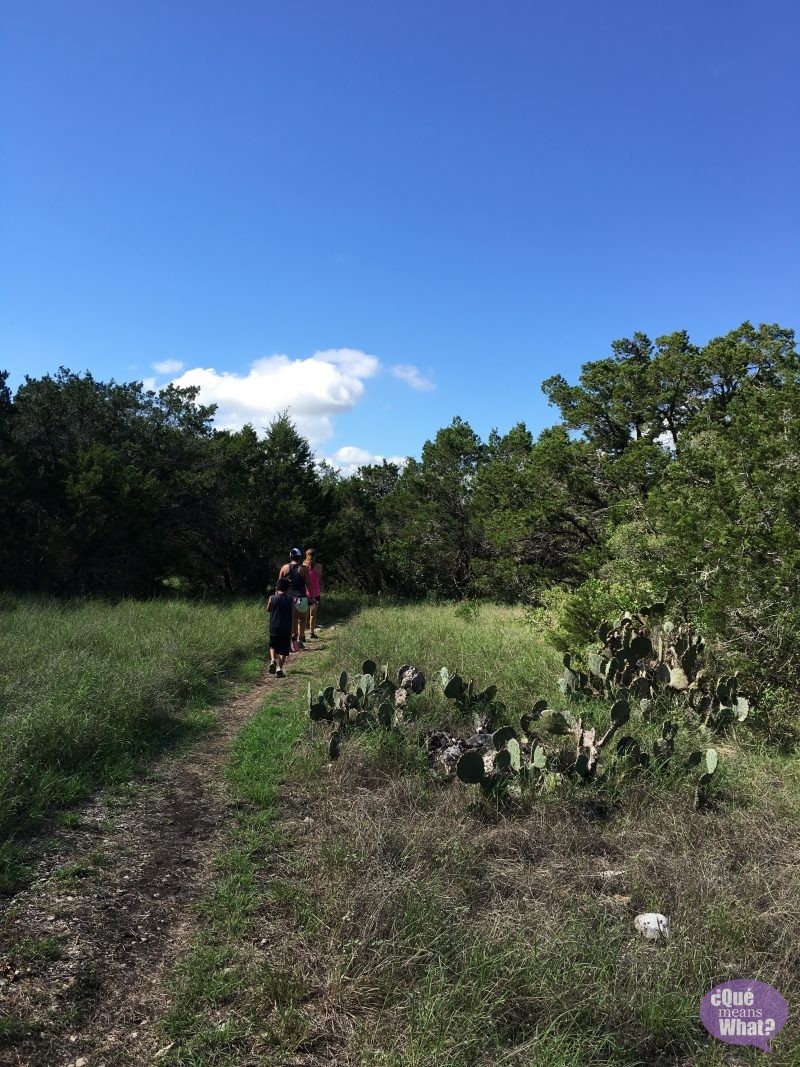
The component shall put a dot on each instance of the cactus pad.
(470, 768)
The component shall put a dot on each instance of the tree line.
(672, 473)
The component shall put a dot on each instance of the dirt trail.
(111, 900)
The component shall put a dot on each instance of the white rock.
(653, 926)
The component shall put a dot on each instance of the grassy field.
(411, 924)
(88, 687)
(494, 645)
(365, 914)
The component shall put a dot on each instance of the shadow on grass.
(31, 805)
(337, 608)
(37, 811)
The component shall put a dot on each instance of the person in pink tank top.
(313, 587)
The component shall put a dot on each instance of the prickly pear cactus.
(365, 701)
(705, 779)
(466, 697)
(646, 659)
(410, 679)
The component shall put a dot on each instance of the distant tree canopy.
(674, 473)
(113, 488)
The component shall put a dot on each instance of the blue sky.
(479, 194)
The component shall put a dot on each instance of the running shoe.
(279, 673)
(272, 666)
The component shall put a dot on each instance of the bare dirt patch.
(84, 946)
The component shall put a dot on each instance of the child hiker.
(280, 606)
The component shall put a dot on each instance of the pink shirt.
(312, 583)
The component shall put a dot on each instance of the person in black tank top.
(297, 583)
(296, 572)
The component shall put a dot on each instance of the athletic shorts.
(281, 643)
(313, 600)
(301, 604)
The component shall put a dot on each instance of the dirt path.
(84, 947)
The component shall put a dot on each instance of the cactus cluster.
(631, 751)
(640, 659)
(719, 704)
(533, 755)
(369, 700)
(550, 746)
(466, 697)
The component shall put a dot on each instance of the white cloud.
(351, 361)
(149, 384)
(349, 458)
(410, 374)
(168, 366)
(312, 390)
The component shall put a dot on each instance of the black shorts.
(312, 600)
(281, 643)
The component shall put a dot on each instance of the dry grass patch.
(446, 932)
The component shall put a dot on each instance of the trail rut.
(85, 945)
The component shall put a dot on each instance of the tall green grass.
(491, 643)
(88, 687)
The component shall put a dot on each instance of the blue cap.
(296, 553)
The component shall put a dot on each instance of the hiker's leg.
(302, 618)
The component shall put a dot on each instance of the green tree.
(357, 553)
(717, 537)
(612, 405)
(429, 539)
(541, 511)
(108, 476)
(10, 525)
